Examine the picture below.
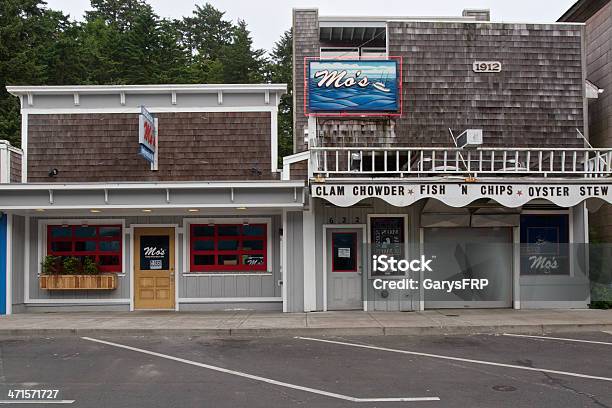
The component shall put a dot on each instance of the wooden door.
(154, 268)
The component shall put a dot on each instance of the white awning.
(459, 194)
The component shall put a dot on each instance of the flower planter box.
(78, 282)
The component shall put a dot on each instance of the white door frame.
(361, 227)
(176, 255)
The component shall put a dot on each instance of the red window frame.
(96, 254)
(215, 252)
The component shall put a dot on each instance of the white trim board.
(143, 89)
(152, 109)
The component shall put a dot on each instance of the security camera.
(53, 172)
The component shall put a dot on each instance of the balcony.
(371, 162)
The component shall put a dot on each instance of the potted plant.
(71, 273)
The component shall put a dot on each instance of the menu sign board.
(387, 238)
(154, 252)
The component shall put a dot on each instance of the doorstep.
(245, 323)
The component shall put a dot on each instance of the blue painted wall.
(3, 239)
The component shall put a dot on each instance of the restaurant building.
(173, 192)
(455, 142)
(456, 145)
(597, 17)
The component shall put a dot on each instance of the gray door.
(344, 269)
(472, 253)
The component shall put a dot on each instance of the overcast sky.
(267, 19)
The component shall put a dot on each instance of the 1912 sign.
(487, 66)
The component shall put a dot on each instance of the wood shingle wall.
(599, 71)
(192, 147)
(536, 101)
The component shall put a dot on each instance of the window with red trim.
(102, 243)
(228, 247)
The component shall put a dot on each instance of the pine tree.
(281, 71)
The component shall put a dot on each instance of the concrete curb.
(537, 329)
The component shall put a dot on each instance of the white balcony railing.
(441, 161)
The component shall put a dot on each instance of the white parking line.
(264, 379)
(36, 401)
(465, 360)
(557, 338)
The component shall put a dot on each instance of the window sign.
(387, 238)
(353, 86)
(344, 251)
(154, 252)
(545, 244)
(147, 136)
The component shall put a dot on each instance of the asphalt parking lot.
(381, 371)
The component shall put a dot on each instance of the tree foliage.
(126, 42)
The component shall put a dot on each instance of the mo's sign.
(353, 87)
(147, 136)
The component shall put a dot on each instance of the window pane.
(85, 232)
(253, 245)
(228, 260)
(254, 230)
(227, 245)
(61, 232)
(82, 246)
(204, 260)
(204, 245)
(229, 230)
(253, 259)
(61, 246)
(203, 231)
(110, 231)
(111, 246)
(109, 260)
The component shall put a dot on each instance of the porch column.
(310, 291)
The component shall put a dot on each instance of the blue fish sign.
(358, 86)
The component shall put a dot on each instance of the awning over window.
(459, 194)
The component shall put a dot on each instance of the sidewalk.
(245, 323)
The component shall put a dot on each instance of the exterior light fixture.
(193, 210)
(146, 210)
(241, 208)
(40, 210)
(93, 210)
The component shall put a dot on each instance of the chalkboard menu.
(154, 252)
(387, 238)
(545, 244)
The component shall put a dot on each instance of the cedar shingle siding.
(599, 71)
(15, 167)
(192, 147)
(537, 99)
(305, 44)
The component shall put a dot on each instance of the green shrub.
(52, 265)
(90, 267)
(72, 266)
